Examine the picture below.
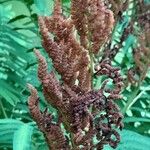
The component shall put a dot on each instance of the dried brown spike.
(79, 10)
(78, 105)
(57, 9)
(33, 99)
(42, 67)
(100, 23)
(33, 105)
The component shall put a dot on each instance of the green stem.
(134, 97)
(128, 105)
(3, 110)
(138, 96)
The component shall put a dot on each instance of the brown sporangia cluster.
(90, 117)
(118, 7)
(141, 52)
(52, 131)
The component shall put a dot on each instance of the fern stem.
(138, 96)
(3, 110)
(134, 97)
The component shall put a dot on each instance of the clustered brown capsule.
(84, 112)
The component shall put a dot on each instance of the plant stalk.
(3, 110)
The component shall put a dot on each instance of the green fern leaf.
(22, 138)
(7, 129)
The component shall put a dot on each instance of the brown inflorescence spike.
(52, 132)
(100, 24)
(42, 67)
(83, 111)
(105, 68)
(79, 12)
(57, 8)
(33, 105)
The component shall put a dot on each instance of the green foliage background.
(18, 36)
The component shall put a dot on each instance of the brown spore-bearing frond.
(100, 24)
(42, 67)
(52, 131)
(54, 134)
(105, 68)
(106, 131)
(84, 79)
(79, 11)
(99, 101)
(52, 90)
(84, 112)
(80, 106)
(68, 51)
(51, 47)
(113, 115)
(33, 105)
(57, 9)
(51, 22)
(48, 80)
(76, 113)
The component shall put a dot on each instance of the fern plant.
(19, 34)
(14, 58)
(127, 41)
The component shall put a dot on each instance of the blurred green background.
(18, 36)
